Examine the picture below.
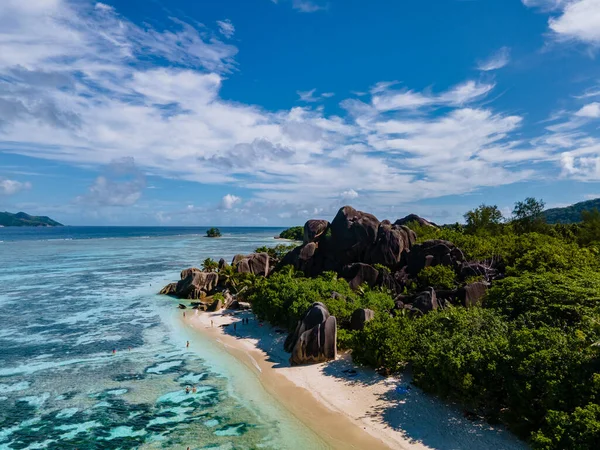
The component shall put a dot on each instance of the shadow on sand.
(419, 417)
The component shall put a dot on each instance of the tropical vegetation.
(213, 232)
(527, 357)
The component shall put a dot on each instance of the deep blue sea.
(69, 296)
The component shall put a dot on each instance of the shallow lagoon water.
(70, 296)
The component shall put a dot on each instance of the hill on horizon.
(22, 219)
(570, 214)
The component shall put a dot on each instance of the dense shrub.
(439, 277)
(554, 299)
(294, 234)
(284, 297)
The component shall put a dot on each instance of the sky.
(272, 112)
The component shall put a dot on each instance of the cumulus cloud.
(226, 28)
(122, 184)
(350, 194)
(574, 20)
(229, 201)
(496, 61)
(78, 85)
(592, 111)
(11, 187)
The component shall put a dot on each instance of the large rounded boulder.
(314, 229)
(315, 337)
(352, 234)
(432, 253)
(255, 263)
(391, 244)
(194, 284)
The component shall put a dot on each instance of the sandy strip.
(355, 407)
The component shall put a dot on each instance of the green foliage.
(219, 296)
(571, 214)
(589, 230)
(528, 217)
(209, 265)
(554, 299)
(439, 277)
(384, 343)
(484, 219)
(382, 268)
(456, 354)
(284, 298)
(294, 233)
(562, 430)
(213, 232)
(277, 252)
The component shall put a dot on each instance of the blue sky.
(262, 112)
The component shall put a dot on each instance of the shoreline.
(346, 405)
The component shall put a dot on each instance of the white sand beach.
(349, 406)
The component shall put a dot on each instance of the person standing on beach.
(211, 323)
(184, 314)
(187, 344)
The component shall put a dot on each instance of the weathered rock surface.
(194, 284)
(472, 294)
(216, 305)
(315, 337)
(256, 263)
(360, 317)
(313, 229)
(433, 253)
(360, 273)
(352, 237)
(426, 301)
(391, 243)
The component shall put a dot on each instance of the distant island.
(570, 214)
(213, 232)
(22, 219)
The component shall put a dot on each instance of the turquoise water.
(69, 296)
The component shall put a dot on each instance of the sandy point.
(347, 405)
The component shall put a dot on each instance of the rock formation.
(313, 229)
(256, 263)
(411, 218)
(194, 284)
(360, 317)
(315, 337)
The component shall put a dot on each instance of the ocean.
(71, 296)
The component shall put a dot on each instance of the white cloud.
(350, 194)
(591, 110)
(496, 61)
(577, 20)
(101, 103)
(308, 6)
(11, 187)
(310, 97)
(226, 28)
(121, 185)
(229, 201)
(385, 99)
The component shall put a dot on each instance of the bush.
(213, 232)
(554, 299)
(277, 252)
(565, 431)
(209, 265)
(294, 234)
(439, 277)
(457, 353)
